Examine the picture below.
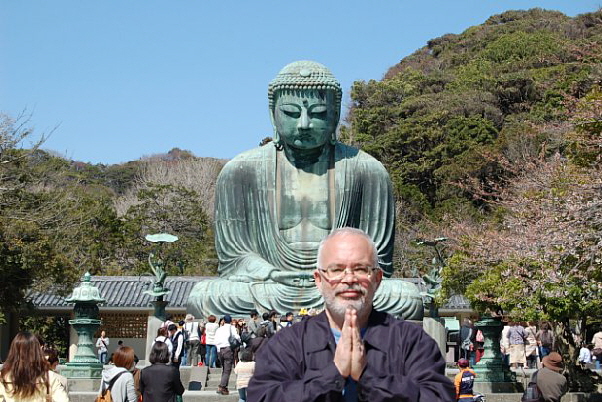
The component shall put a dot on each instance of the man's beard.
(338, 307)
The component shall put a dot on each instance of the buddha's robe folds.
(258, 269)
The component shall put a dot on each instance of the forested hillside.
(61, 218)
(492, 139)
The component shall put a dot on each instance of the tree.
(31, 214)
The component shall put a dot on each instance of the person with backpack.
(545, 340)
(551, 384)
(192, 340)
(177, 340)
(226, 338)
(464, 382)
(118, 381)
(467, 341)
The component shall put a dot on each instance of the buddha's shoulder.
(251, 156)
(354, 155)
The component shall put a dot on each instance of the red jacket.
(403, 364)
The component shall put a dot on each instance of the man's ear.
(379, 277)
(318, 279)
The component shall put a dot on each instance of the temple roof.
(127, 292)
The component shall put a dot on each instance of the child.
(585, 354)
(244, 371)
(464, 381)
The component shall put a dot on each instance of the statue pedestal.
(85, 363)
(436, 329)
(159, 306)
(490, 368)
(152, 326)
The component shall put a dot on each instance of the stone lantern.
(85, 363)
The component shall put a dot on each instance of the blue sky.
(118, 80)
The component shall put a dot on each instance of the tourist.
(162, 336)
(273, 325)
(192, 328)
(545, 340)
(505, 346)
(26, 376)
(464, 382)
(531, 349)
(244, 371)
(253, 324)
(210, 330)
(177, 340)
(287, 320)
(102, 344)
(160, 382)
(52, 357)
(597, 342)
(585, 355)
(119, 378)
(168, 321)
(516, 339)
(376, 357)
(468, 336)
(203, 345)
(550, 382)
(225, 352)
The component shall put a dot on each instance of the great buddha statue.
(275, 203)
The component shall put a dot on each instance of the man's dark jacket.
(403, 364)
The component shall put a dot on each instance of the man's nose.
(304, 122)
(349, 276)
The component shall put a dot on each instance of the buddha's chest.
(304, 203)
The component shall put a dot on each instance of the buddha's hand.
(240, 278)
(296, 279)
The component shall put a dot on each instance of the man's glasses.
(337, 273)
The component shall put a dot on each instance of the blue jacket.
(403, 364)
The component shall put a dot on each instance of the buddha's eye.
(319, 109)
(291, 111)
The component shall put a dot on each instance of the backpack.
(532, 392)
(186, 336)
(234, 342)
(466, 342)
(105, 395)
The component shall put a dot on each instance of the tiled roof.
(127, 291)
(457, 302)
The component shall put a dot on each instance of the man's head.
(227, 319)
(274, 316)
(254, 314)
(173, 328)
(305, 105)
(289, 316)
(348, 273)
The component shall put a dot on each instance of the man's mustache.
(355, 287)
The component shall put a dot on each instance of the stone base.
(82, 370)
(497, 387)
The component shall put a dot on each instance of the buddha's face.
(305, 119)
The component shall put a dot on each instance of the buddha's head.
(305, 105)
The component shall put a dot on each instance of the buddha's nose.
(304, 122)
